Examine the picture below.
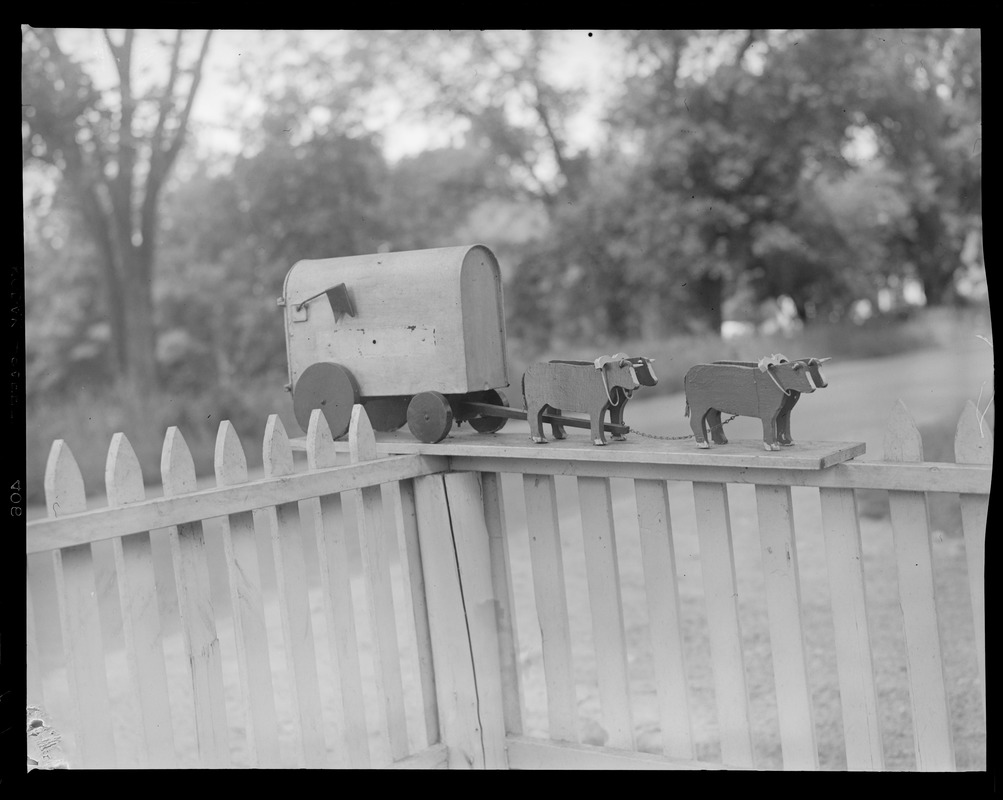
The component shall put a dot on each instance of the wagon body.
(424, 320)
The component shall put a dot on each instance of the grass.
(883, 336)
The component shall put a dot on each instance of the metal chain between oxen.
(676, 438)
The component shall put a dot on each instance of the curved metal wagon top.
(401, 323)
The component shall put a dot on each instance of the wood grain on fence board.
(528, 753)
(942, 477)
(79, 617)
(406, 517)
(551, 605)
(658, 563)
(973, 444)
(161, 512)
(783, 601)
(283, 524)
(857, 694)
(455, 685)
(339, 607)
(501, 581)
(248, 609)
(603, 570)
(917, 596)
(717, 563)
(376, 545)
(435, 756)
(473, 562)
(140, 613)
(198, 618)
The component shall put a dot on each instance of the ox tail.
(687, 412)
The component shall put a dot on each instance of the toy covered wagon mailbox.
(416, 337)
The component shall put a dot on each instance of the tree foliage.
(114, 149)
(735, 167)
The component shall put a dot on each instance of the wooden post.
(973, 444)
(375, 546)
(198, 618)
(339, 608)
(603, 570)
(658, 562)
(783, 600)
(717, 562)
(283, 524)
(551, 605)
(406, 517)
(501, 581)
(845, 563)
(473, 563)
(79, 617)
(917, 595)
(248, 609)
(140, 614)
(455, 685)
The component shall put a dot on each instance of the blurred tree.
(920, 92)
(729, 131)
(496, 82)
(114, 149)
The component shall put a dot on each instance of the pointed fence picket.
(339, 608)
(917, 594)
(198, 617)
(283, 523)
(140, 614)
(376, 546)
(247, 604)
(973, 444)
(458, 580)
(79, 616)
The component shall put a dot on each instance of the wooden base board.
(737, 453)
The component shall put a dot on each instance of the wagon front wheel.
(490, 424)
(429, 417)
(332, 389)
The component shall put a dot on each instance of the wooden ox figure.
(814, 366)
(749, 391)
(581, 386)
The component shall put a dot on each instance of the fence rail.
(404, 563)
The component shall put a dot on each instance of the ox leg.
(556, 427)
(784, 422)
(770, 433)
(596, 418)
(535, 418)
(616, 417)
(716, 429)
(699, 427)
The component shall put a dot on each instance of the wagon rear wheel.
(429, 417)
(332, 389)
(490, 424)
(386, 413)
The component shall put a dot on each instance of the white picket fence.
(400, 562)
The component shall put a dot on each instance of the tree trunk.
(935, 260)
(708, 295)
(140, 343)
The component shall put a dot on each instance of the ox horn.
(823, 360)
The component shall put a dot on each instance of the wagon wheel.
(490, 424)
(429, 417)
(386, 413)
(331, 388)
